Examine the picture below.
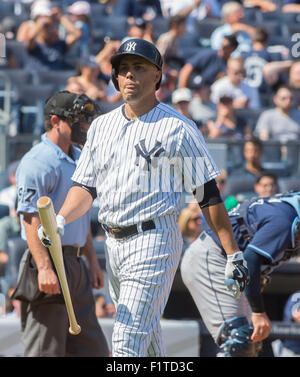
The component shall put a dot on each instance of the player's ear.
(158, 76)
(54, 121)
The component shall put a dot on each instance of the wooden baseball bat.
(48, 221)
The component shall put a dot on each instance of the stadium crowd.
(231, 66)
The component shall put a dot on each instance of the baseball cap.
(80, 8)
(59, 104)
(181, 95)
(41, 8)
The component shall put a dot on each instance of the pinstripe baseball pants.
(141, 271)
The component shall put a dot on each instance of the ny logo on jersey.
(130, 46)
(142, 151)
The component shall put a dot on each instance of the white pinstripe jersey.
(140, 167)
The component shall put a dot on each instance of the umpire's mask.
(79, 108)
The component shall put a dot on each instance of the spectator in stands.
(8, 194)
(146, 9)
(253, 153)
(234, 85)
(201, 108)
(294, 82)
(257, 58)
(233, 14)
(284, 73)
(88, 79)
(167, 43)
(80, 15)
(291, 314)
(227, 123)
(139, 28)
(264, 5)
(181, 99)
(103, 306)
(41, 37)
(282, 122)
(9, 228)
(290, 6)
(208, 64)
(74, 86)
(266, 184)
(190, 224)
(193, 10)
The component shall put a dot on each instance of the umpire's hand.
(236, 273)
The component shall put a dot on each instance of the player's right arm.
(78, 201)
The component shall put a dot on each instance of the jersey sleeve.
(198, 167)
(33, 181)
(273, 237)
(85, 170)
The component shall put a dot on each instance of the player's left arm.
(97, 276)
(217, 218)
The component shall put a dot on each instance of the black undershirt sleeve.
(208, 194)
(91, 190)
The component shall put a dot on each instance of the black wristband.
(256, 303)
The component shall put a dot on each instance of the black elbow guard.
(91, 190)
(211, 194)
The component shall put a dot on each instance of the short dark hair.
(256, 141)
(232, 40)
(269, 174)
(260, 35)
(176, 20)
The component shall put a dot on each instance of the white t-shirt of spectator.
(278, 125)
(223, 87)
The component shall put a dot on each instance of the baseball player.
(268, 232)
(46, 170)
(133, 161)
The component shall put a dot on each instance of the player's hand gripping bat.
(48, 221)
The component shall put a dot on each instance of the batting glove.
(236, 273)
(60, 221)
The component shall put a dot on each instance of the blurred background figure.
(266, 185)
(190, 224)
(80, 15)
(227, 123)
(181, 99)
(103, 306)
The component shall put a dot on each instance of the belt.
(72, 250)
(123, 232)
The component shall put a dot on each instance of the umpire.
(268, 232)
(46, 170)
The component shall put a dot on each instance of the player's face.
(137, 79)
(266, 187)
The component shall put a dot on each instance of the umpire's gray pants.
(202, 271)
(46, 324)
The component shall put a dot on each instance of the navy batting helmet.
(139, 47)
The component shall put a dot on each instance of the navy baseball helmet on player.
(77, 107)
(139, 47)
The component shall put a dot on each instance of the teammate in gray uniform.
(268, 232)
(46, 170)
(135, 160)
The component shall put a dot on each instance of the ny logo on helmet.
(130, 46)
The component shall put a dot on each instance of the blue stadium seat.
(15, 249)
(280, 168)
(237, 185)
(18, 76)
(112, 26)
(100, 252)
(56, 78)
(204, 28)
(160, 25)
(6, 9)
(289, 184)
(4, 210)
(4, 179)
(19, 50)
